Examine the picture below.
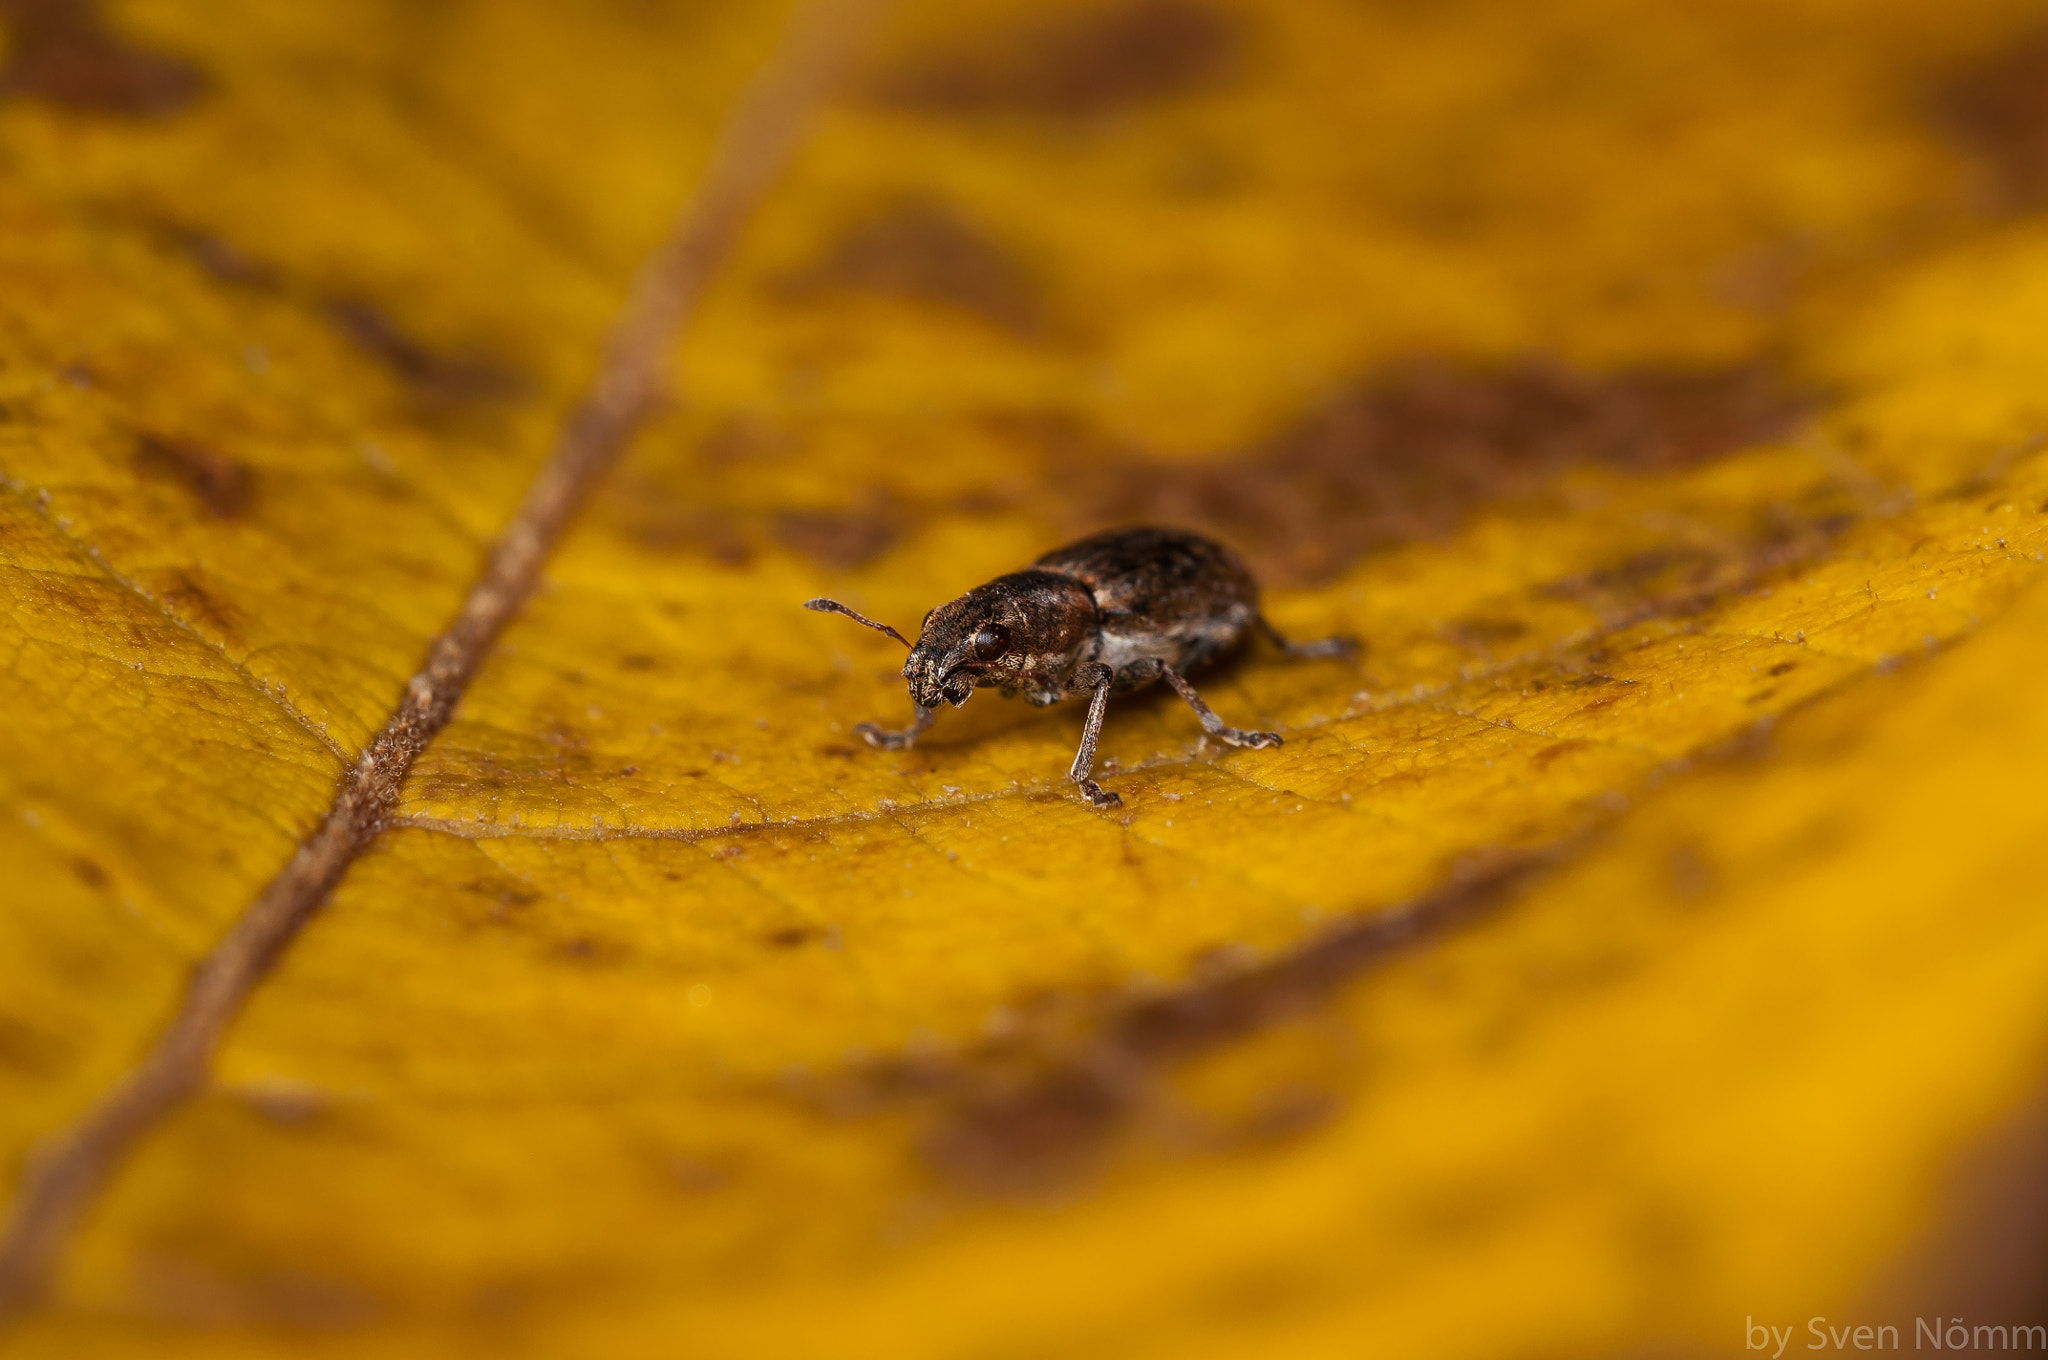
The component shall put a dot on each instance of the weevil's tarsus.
(1213, 725)
(825, 606)
(1097, 678)
(1341, 645)
(883, 739)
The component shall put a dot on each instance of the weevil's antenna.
(825, 606)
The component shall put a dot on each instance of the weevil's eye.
(991, 642)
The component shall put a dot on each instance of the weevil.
(1107, 615)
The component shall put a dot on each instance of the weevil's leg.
(1329, 646)
(1212, 724)
(1140, 673)
(1096, 677)
(881, 738)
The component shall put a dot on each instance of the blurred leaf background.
(1642, 937)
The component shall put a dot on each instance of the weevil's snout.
(924, 671)
(934, 679)
(930, 685)
(953, 652)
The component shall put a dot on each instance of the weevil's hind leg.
(1304, 651)
(882, 739)
(1212, 724)
(1097, 678)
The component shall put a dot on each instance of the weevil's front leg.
(1212, 724)
(1301, 651)
(1096, 677)
(882, 739)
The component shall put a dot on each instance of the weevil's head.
(1024, 630)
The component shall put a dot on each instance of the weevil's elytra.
(1108, 614)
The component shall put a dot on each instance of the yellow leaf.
(1633, 946)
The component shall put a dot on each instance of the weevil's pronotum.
(1103, 616)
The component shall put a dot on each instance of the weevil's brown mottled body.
(1108, 614)
(1118, 599)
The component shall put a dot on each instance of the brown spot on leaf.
(1481, 634)
(435, 374)
(665, 517)
(439, 378)
(1549, 755)
(1179, 1025)
(920, 248)
(1998, 107)
(220, 259)
(1031, 1139)
(222, 486)
(696, 1175)
(34, 1051)
(503, 893)
(1683, 579)
(62, 53)
(1692, 874)
(1286, 1113)
(1677, 571)
(591, 950)
(837, 538)
(1409, 453)
(661, 519)
(186, 595)
(187, 1291)
(1038, 1105)
(1083, 63)
(285, 1102)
